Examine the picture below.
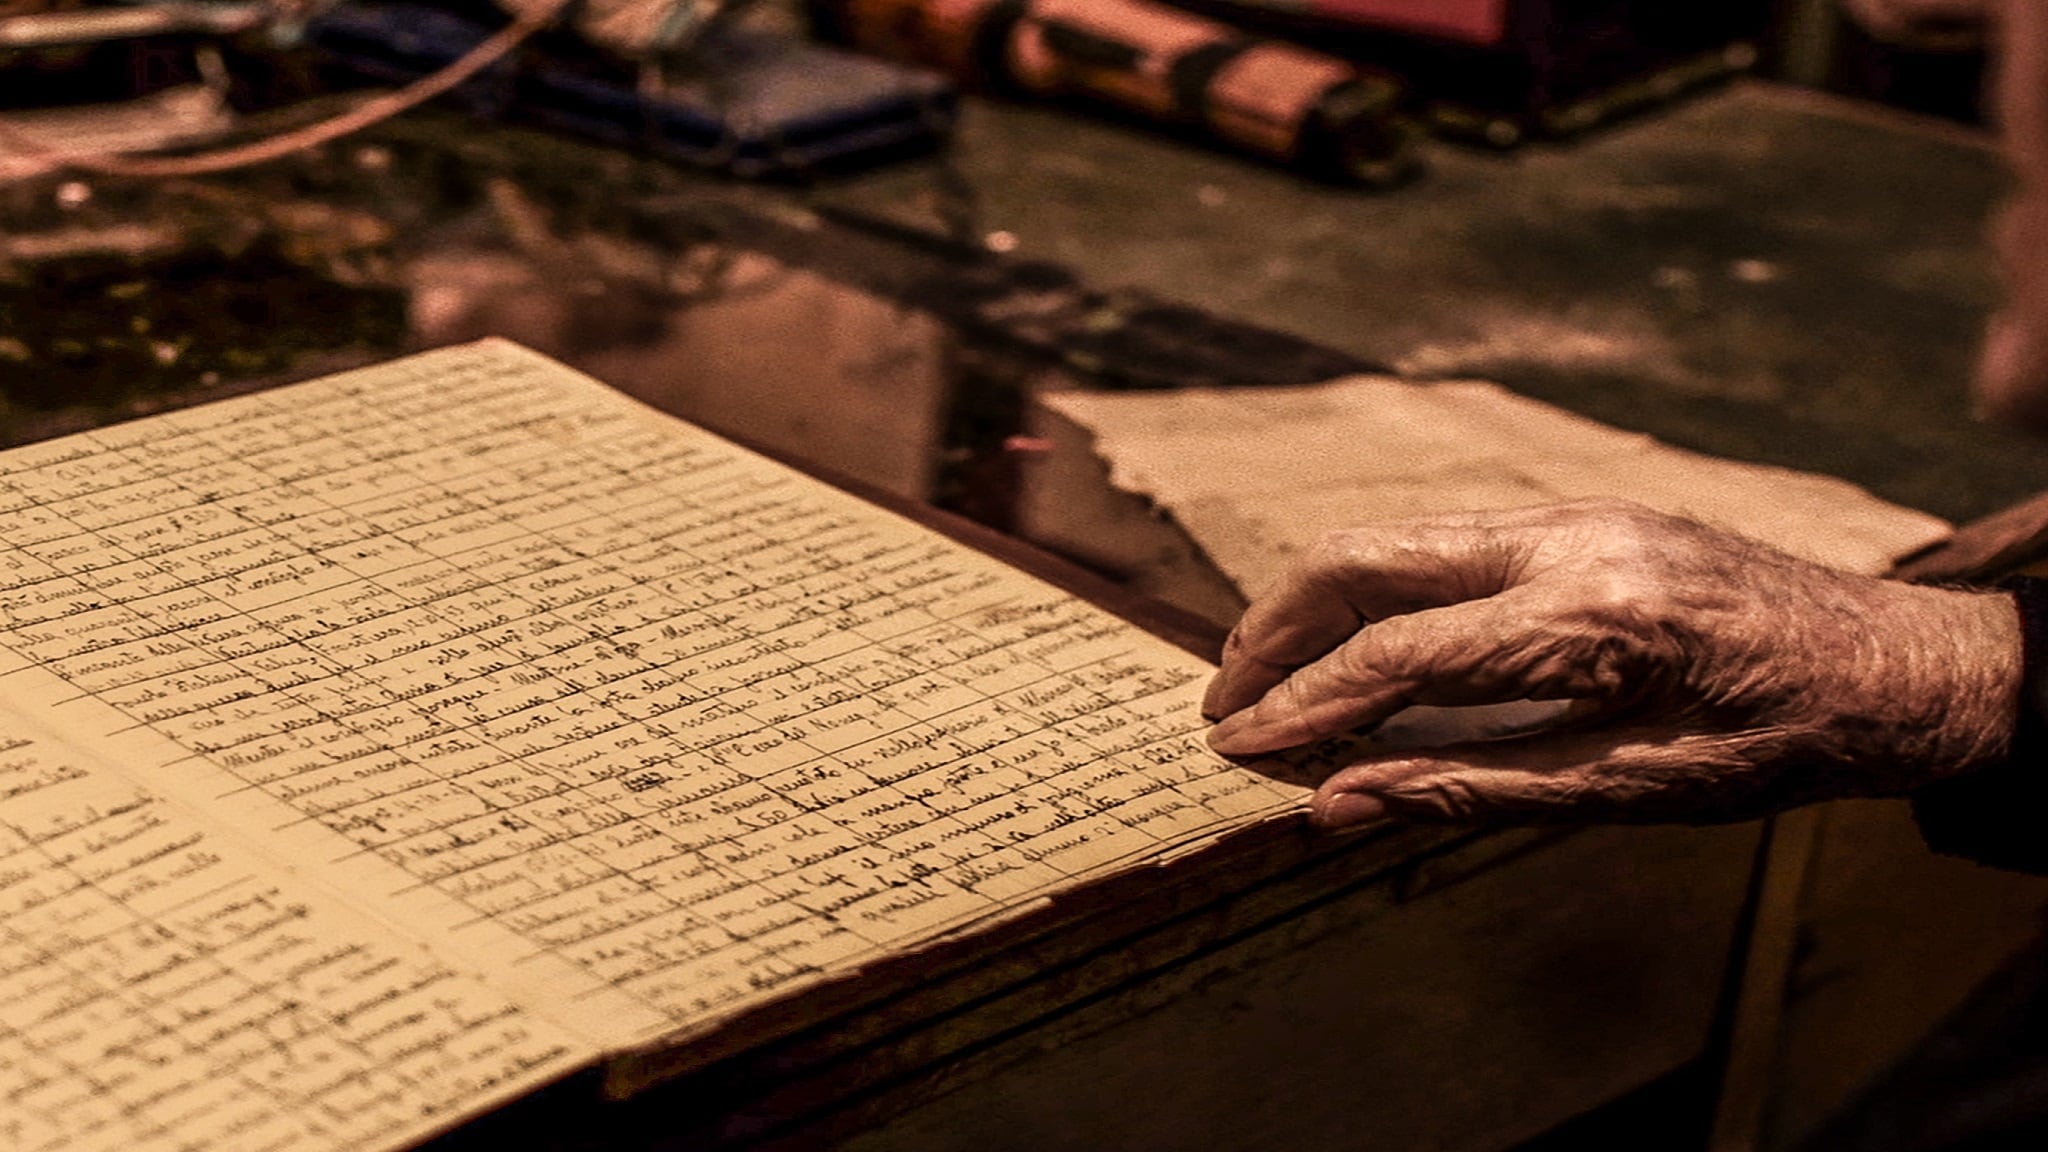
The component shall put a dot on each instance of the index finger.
(1355, 577)
(1516, 646)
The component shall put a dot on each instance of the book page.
(162, 987)
(647, 725)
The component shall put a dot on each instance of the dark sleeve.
(1998, 815)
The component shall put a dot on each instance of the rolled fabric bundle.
(1307, 109)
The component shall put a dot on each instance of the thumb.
(1583, 776)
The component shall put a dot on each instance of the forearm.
(1957, 671)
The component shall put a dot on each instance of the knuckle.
(1615, 591)
(1284, 704)
(1619, 633)
(1625, 530)
(1444, 797)
(1250, 648)
(1356, 665)
(1332, 554)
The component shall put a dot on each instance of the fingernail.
(1212, 700)
(1344, 810)
(1239, 735)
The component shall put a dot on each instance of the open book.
(376, 750)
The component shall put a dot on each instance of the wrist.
(1993, 659)
(1976, 674)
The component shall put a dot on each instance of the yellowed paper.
(647, 727)
(1255, 476)
(163, 986)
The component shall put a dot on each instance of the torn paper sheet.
(1253, 477)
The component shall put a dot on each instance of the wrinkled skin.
(1714, 678)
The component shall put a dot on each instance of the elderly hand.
(1712, 678)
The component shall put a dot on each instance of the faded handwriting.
(696, 724)
(158, 988)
